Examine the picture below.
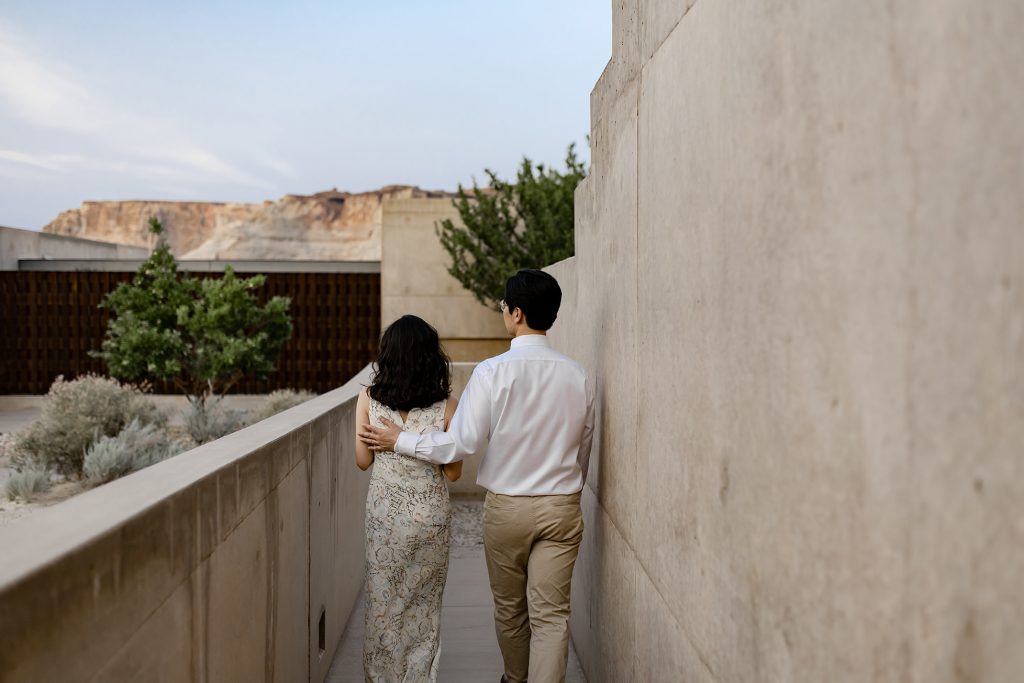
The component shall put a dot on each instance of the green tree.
(202, 335)
(508, 226)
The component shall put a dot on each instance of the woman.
(408, 514)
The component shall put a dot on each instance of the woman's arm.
(452, 470)
(364, 456)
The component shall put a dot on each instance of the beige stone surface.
(472, 350)
(138, 660)
(656, 20)
(238, 602)
(607, 234)
(205, 567)
(811, 418)
(624, 65)
(289, 541)
(414, 279)
(328, 225)
(454, 317)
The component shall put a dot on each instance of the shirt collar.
(530, 340)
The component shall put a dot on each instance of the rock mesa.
(328, 225)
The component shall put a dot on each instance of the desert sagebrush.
(278, 401)
(136, 446)
(75, 414)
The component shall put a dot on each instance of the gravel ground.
(467, 528)
(16, 416)
(11, 510)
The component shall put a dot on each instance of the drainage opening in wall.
(322, 632)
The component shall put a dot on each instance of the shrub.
(279, 401)
(209, 420)
(201, 334)
(136, 446)
(76, 413)
(527, 223)
(6, 446)
(27, 482)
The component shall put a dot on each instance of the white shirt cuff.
(406, 443)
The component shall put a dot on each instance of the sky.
(247, 101)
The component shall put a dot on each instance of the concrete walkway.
(469, 651)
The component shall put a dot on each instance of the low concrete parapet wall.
(239, 560)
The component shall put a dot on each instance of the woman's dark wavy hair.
(412, 368)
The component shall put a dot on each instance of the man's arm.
(587, 439)
(467, 435)
(436, 447)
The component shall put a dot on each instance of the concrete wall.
(29, 244)
(799, 270)
(215, 565)
(414, 280)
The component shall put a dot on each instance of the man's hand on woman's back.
(380, 439)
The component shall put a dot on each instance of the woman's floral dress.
(408, 529)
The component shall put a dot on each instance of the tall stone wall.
(414, 279)
(800, 281)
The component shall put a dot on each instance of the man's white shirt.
(529, 413)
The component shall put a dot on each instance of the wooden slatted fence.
(49, 320)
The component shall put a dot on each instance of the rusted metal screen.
(50, 320)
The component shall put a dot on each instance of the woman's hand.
(452, 470)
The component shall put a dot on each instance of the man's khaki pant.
(531, 543)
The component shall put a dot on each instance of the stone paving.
(469, 650)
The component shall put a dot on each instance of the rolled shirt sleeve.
(469, 431)
(406, 443)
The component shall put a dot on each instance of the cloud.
(50, 162)
(39, 93)
(45, 93)
(279, 166)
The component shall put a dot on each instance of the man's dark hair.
(537, 294)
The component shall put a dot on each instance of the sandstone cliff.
(325, 226)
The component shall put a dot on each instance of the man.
(530, 413)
